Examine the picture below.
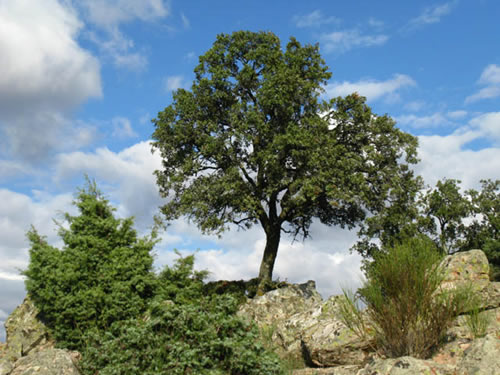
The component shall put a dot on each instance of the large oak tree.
(252, 143)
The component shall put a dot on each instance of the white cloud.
(490, 77)
(16, 218)
(448, 155)
(109, 15)
(314, 19)
(372, 89)
(45, 74)
(128, 173)
(122, 128)
(343, 41)
(419, 122)
(488, 125)
(173, 83)
(432, 15)
(237, 255)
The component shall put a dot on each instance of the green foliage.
(484, 232)
(100, 276)
(407, 310)
(188, 334)
(455, 221)
(252, 143)
(477, 321)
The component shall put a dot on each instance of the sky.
(81, 80)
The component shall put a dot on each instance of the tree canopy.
(453, 219)
(252, 142)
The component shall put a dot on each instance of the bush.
(408, 312)
(188, 334)
(99, 295)
(103, 274)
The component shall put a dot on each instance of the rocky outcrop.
(303, 324)
(47, 362)
(29, 350)
(472, 268)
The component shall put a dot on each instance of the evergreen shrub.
(188, 333)
(103, 273)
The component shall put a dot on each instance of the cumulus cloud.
(372, 89)
(314, 19)
(109, 15)
(431, 15)
(343, 41)
(490, 77)
(237, 255)
(435, 120)
(15, 220)
(45, 74)
(128, 175)
(448, 155)
(419, 122)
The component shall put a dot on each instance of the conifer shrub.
(103, 273)
(188, 333)
(98, 294)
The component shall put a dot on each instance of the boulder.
(326, 340)
(300, 324)
(47, 362)
(25, 332)
(338, 370)
(482, 357)
(472, 268)
(279, 304)
(466, 267)
(405, 366)
(25, 335)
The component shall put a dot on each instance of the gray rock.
(25, 335)
(482, 357)
(466, 267)
(338, 370)
(47, 362)
(406, 366)
(326, 341)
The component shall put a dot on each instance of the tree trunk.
(269, 257)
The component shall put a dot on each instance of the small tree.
(252, 143)
(102, 274)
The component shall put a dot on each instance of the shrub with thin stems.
(406, 308)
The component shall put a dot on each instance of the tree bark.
(270, 252)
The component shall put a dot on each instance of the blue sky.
(81, 81)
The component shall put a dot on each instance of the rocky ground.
(307, 331)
